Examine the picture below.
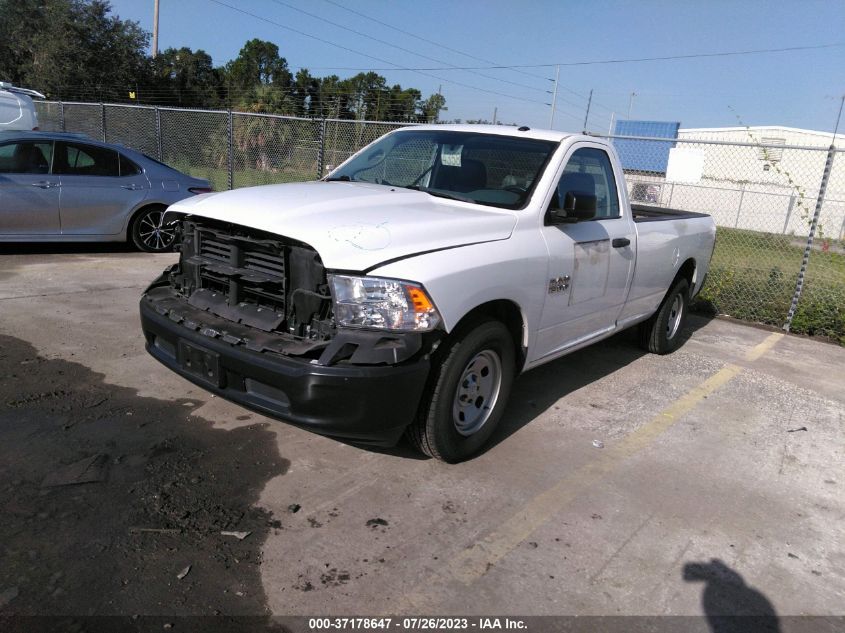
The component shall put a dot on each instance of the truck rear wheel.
(467, 393)
(661, 334)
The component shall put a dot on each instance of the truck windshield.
(498, 171)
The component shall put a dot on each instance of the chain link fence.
(772, 263)
(780, 248)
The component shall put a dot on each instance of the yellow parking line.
(758, 350)
(474, 562)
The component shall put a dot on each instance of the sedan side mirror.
(577, 206)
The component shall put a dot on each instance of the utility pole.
(439, 94)
(495, 112)
(155, 28)
(589, 102)
(554, 98)
(631, 103)
(838, 117)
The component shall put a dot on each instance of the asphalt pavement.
(621, 483)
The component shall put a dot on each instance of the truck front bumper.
(366, 404)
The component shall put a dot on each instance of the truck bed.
(648, 213)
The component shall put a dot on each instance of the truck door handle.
(621, 242)
(130, 187)
(44, 184)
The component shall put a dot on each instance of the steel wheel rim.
(154, 233)
(675, 314)
(477, 392)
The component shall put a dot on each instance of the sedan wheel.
(151, 233)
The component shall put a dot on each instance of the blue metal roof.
(645, 155)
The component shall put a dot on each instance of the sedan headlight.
(388, 304)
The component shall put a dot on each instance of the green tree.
(431, 107)
(186, 77)
(71, 48)
(258, 63)
(76, 49)
(305, 93)
(333, 99)
(403, 104)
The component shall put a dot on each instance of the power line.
(759, 51)
(460, 52)
(351, 50)
(611, 61)
(422, 39)
(396, 46)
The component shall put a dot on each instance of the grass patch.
(752, 276)
(219, 177)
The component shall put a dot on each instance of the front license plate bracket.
(200, 363)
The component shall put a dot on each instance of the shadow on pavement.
(730, 605)
(114, 503)
(539, 389)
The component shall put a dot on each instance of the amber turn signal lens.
(420, 300)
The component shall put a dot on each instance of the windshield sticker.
(451, 155)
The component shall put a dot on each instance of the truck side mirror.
(577, 206)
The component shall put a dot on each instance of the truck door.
(590, 262)
(29, 193)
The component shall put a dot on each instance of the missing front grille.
(255, 278)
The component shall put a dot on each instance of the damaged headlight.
(389, 304)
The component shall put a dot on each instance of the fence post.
(788, 213)
(103, 120)
(159, 147)
(799, 283)
(231, 155)
(321, 152)
(62, 115)
(739, 207)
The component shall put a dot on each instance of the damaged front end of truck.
(252, 316)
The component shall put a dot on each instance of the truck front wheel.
(661, 334)
(470, 381)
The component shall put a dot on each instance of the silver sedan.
(65, 187)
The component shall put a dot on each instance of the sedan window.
(86, 160)
(26, 157)
(127, 167)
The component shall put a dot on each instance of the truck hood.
(355, 226)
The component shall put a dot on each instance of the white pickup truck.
(405, 291)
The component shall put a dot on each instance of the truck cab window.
(589, 171)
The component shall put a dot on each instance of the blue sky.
(797, 88)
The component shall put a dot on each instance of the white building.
(762, 178)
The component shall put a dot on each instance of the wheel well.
(686, 271)
(506, 312)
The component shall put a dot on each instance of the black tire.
(661, 334)
(435, 431)
(149, 233)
